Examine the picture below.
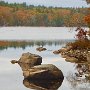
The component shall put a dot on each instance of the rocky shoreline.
(78, 55)
(74, 55)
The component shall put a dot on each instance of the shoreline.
(80, 57)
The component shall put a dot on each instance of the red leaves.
(81, 35)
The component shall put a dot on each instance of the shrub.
(81, 44)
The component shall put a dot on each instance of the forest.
(16, 14)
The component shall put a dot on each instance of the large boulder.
(25, 66)
(45, 71)
(32, 59)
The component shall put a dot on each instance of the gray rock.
(31, 59)
(45, 71)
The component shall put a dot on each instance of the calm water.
(11, 77)
(34, 33)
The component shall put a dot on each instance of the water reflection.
(83, 69)
(24, 44)
(81, 77)
(42, 84)
(77, 83)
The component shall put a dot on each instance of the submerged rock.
(45, 71)
(41, 49)
(31, 59)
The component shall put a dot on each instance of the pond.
(27, 39)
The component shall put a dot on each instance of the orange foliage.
(87, 18)
(41, 16)
(2, 8)
(22, 15)
(64, 12)
(50, 17)
(6, 15)
(77, 19)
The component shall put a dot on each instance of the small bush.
(81, 44)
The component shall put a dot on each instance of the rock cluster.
(39, 76)
(62, 50)
(75, 55)
(72, 55)
(79, 56)
(32, 67)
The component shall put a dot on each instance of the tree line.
(15, 14)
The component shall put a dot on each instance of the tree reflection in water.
(80, 79)
(42, 84)
(31, 43)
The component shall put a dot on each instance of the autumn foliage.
(81, 34)
(23, 15)
(81, 44)
(87, 19)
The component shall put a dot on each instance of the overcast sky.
(55, 3)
